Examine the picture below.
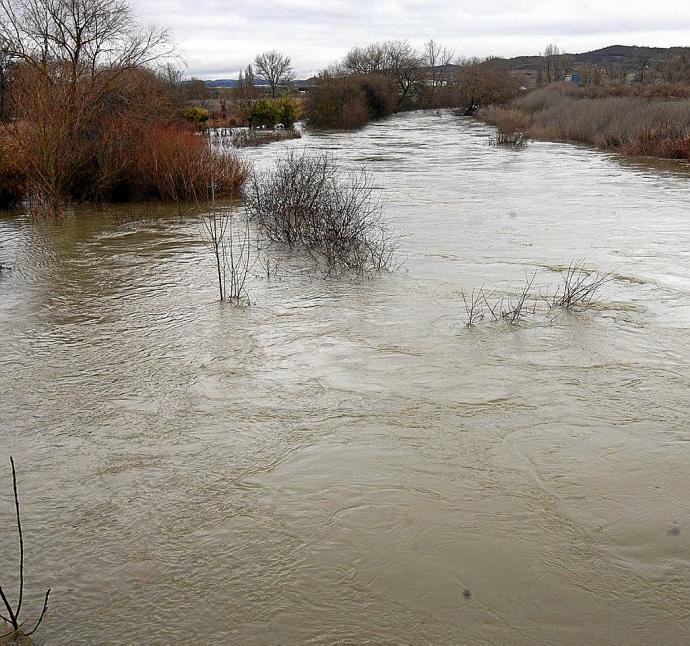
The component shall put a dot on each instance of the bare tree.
(244, 93)
(404, 66)
(89, 37)
(552, 63)
(676, 68)
(71, 55)
(478, 82)
(275, 68)
(615, 72)
(366, 60)
(437, 59)
(396, 60)
(6, 64)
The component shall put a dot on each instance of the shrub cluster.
(123, 141)
(268, 113)
(344, 102)
(309, 202)
(168, 162)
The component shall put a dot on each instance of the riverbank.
(644, 121)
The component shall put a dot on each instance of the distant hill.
(233, 82)
(629, 56)
(230, 82)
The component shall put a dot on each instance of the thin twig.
(21, 540)
(43, 612)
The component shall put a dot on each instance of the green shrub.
(289, 109)
(266, 113)
(195, 114)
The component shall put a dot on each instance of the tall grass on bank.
(635, 124)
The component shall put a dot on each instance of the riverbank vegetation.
(91, 113)
(638, 107)
(649, 121)
(375, 81)
(93, 109)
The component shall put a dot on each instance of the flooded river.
(344, 461)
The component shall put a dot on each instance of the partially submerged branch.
(13, 618)
(579, 288)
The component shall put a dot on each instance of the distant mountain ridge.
(622, 54)
(625, 55)
(233, 82)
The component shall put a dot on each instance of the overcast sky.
(218, 38)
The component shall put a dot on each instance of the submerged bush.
(309, 202)
(164, 161)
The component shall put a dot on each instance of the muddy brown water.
(343, 461)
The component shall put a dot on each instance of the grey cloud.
(220, 38)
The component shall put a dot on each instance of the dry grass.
(634, 123)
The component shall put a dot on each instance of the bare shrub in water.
(232, 252)
(511, 308)
(515, 138)
(474, 306)
(580, 286)
(309, 202)
(514, 310)
(13, 619)
(579, 289)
